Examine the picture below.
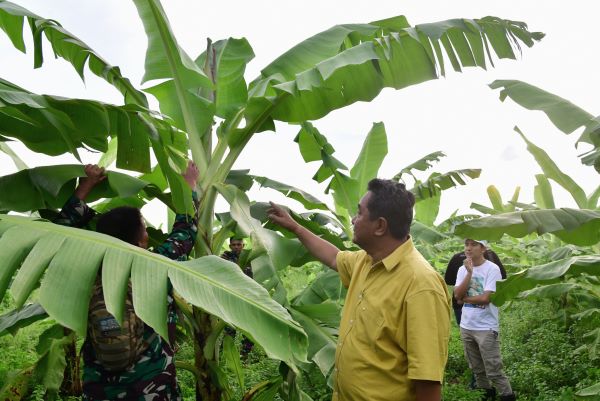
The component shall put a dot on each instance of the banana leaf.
(566, 116)
(547, 274)
(351, 63)
(372, 153)
(554, 173)
(179, 95)
(232, 56)
(438, 182)
(66, 261)
(19, 163)
(422, 164)
(54, 125)
(51, 186)
(64, 45)
(12, 321)
(574, 226)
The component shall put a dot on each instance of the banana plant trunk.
(71, 384)
(207, 389)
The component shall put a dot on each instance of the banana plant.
(207, 109)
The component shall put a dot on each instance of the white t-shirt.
(484, 278)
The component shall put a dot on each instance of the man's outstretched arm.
(322, 250)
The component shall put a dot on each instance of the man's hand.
(94, 175)
(318, 247)
(279, 216)
(191, 174)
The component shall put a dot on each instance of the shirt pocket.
(370, 322)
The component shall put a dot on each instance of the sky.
(459, 115)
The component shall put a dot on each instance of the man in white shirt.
(479, 326)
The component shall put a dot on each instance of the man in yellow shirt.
(393, 336)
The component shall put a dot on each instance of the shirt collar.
(395, 258)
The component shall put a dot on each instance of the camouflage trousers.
(151, 378)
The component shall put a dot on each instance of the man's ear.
(381, 227)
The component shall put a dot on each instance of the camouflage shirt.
(152, 377)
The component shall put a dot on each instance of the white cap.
(481, 242)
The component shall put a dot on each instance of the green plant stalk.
(221, 147)
(235, 152)
(209, 70)
(196, 147)
(205, 219)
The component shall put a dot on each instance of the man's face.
(236, 246)
(363, 225)
(473, 249)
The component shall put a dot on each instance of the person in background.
(479, 326)
(395, 326)
(236, 246)
(455, 263)
(152, 375)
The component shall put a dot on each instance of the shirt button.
(364, 308)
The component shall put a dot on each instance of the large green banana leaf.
(351, 63)
(54, 125)
(64, 45)
(566, 116)
(554, 173)
(51, 186)
(574, 226)
(548, 273)
(64, 261)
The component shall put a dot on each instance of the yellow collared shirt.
(395, 326)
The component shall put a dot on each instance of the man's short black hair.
(392, 201)
(235, 238)
(124, 223)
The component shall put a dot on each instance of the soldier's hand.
(94, 174)
(191, 174)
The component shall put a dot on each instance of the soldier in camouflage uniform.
(236, 245)
(152, 377)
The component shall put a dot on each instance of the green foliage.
(540, 355)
